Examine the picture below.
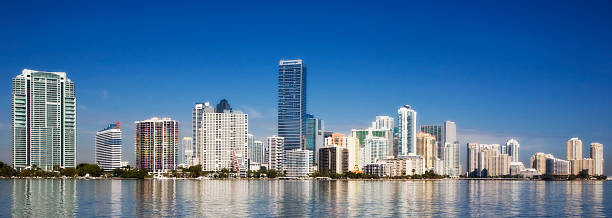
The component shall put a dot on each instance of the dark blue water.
(239, 198)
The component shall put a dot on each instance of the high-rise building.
(108, 147)
(427, 147)
(598, 160)
(538, 162)
(198, 110)
(383, 122)
(186, 151)
(43, 120)
(557, 167)
(257, 152)
(333, 159)
(223, 106)
(298, 162)
(446, 133)
(291, 102)
(375, 149)
(314, 135)
(478, 156)
(451, 159)
(574, 149)
(224, 138)
(276, 153)
(156, 143)
(406, 123)
(512, 149)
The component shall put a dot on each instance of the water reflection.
(243, 198)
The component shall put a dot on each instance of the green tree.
(68, 172)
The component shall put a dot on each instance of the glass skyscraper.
(314, 134)
(292, 103)
(43, 120)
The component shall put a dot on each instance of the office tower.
(291, 102)
(406, 124)
(538, 162)
(250, 142)
(557, 167)
(383, 122)
(443, 133)
(43, 120)
(333, 159)
(314, 135)
(574, 149)
(298, 162)
(597, 156)
(375, 149)
(427, 148)
(156, 143)
(187, 151)
(108, 147)
(224, 138)
(276, 153)
(223, 106)
(451, 159)
(257, 152)
(478, 156)
(512, 149)
(197, 111)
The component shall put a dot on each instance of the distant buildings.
(451, 159)
(156, 143)
(446, 133)
(108, 147)
(406, 123)
(333, 159)
(406, 165)
(538, 162)
(426, 147)
(224, 139)
(276, 153)
(375, 150)
(315, 138)
(479, 156)
(298, 163)
(43, 120)
(186, 151)
(512, 149)
(597, 156)
(197, 112)
(292, 102)
(257, 152)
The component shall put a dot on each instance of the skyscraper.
(512, 149)
(427, 147)
(446, 133)
(406, 123)
(108, 147)
(314, 134)
(383, 122)
(186, 151)
(224, 138)
(292, 102)
(597, 156)
(257, 152)
(156, 142)
(451, 159)
(574, 149)
(43, 120)
(198, 110)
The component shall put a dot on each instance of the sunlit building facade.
(107, 151)
(156, 142)
(292, 102)
(406, 123)
(43, 120)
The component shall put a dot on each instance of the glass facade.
(292, 103)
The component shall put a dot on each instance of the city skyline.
(103, 98)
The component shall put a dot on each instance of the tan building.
(538, 162)
(335, 139)
(406, 165)
(426, 146)
(597, 156)
(587, 164)
(574, 149)
(498, 165)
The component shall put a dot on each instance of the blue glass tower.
(292, 103)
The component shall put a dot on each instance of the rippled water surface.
(146, 198)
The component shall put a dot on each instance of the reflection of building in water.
(156, 197)
(573, 196)
(43, 198)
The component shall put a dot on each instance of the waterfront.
(239, 198)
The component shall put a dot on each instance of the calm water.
(145, 198)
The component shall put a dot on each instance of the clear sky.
(537, 71)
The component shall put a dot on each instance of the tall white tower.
(406, 118)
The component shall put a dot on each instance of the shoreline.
(302, 179)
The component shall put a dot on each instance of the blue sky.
(537, 71)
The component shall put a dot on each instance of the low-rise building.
(379, 169)
(406, 165)
(333, 159)
(557, 167)
(298, 162)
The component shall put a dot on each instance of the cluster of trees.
(6, 170)
(356, 175)
(430, 174)
(584, 174)
(129, 172)
(264, 174)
